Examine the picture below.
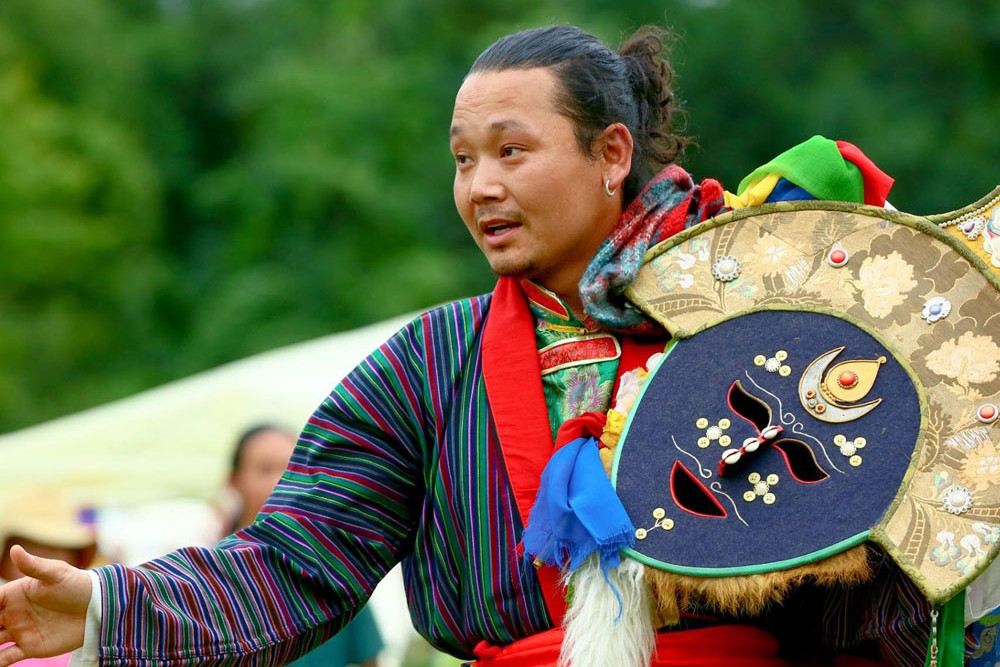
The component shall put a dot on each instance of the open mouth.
(500, 228)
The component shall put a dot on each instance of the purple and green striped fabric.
(400, 462)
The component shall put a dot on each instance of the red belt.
(729, 645)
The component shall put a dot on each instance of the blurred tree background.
(187, 182)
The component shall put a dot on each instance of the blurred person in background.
(45, 522)
(259, 458)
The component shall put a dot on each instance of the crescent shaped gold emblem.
(826, 394)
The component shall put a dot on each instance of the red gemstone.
(988, 412)
(838, 257)
(847, 379)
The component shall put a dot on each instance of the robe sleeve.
(343, 514)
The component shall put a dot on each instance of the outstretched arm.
(44, 611)
(345, 511)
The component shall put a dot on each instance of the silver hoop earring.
(607, 188)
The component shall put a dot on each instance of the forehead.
(522, 96)
(268, 446)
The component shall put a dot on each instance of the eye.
(511, 151)
(462, 159)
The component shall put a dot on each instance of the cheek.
(262, 487)
(462, 204)
(461, 199)
(552, 186)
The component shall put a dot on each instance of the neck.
(574, 303)
(568, 294)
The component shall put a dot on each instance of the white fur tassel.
(600, 631)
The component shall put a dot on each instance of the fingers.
(10, 654)
(43, 569)
(23, 561)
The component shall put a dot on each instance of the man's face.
(532, 200)
(264, 459)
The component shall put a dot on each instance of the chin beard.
(513, 269)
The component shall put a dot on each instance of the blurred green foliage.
(186, 182)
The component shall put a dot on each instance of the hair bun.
(650, 75)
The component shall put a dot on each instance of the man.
(431, 451)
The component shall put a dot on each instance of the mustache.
(496, 213)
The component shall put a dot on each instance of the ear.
(616, 153)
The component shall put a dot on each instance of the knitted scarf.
(670, 203)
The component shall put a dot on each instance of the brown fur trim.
(748, 595)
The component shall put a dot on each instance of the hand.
(45, 611)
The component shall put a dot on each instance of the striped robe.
(402, 462)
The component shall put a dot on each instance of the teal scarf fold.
(670, 203)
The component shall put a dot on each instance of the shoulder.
(471, 308)
(462, 318)
(442, 331)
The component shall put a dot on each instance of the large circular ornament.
(725, 524)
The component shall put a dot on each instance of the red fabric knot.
(588, 425)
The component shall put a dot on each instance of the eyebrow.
(496, 127)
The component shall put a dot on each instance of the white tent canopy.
(175, 440)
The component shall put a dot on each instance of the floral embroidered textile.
(578, 365)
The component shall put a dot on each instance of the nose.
(487, 183)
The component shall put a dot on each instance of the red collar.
(514, 388)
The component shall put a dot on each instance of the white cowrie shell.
(770, 432)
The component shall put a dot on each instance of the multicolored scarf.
(670, 203)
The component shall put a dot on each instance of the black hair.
(600, 87)
(246, 437)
